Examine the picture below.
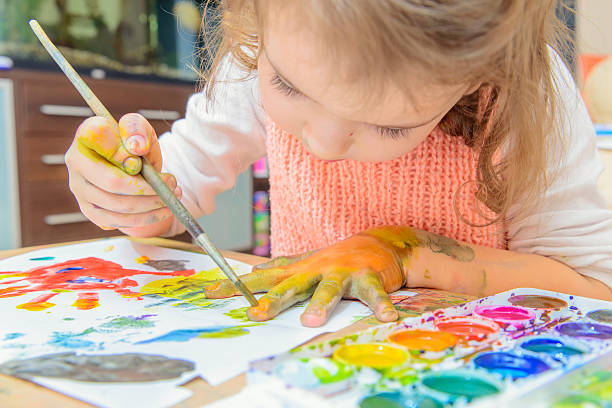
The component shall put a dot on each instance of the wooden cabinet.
(48, 111)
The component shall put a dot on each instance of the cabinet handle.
(65, 110)
(52, 159)
(65, 218)
(158, 114)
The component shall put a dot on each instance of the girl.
(411, 143)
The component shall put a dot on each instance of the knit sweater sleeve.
(215, 142)
(572, 224)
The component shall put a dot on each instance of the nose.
(328, 139)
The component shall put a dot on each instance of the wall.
(594, 26)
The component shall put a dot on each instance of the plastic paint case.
(496, 357)
(316, 373)
(601, 315)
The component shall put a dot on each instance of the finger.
(283, 261)
(325, 298)
(104, 218)
(292, 290)
(104, 175)
(369, 289)
(125, 204)
(256, 281)
(140, 139)
(101, 135)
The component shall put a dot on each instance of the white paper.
(209, 333)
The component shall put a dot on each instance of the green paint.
(579, 401)
(128, 322)
(238, 314)
(404, 376)
(68, 318)
(427, 275)
(230, 332)
(460, 385)
(43, 258)
(326, 377)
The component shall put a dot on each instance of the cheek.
(283, 110)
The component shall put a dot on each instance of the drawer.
(42, 157)
(50, 213)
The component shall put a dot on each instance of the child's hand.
(364, 266)
(103, 167)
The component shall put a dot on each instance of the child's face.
(305, 94)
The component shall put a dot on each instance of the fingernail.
(177, 191)
(105, 228)
(131, 165)
(388, 313)
(135, 143)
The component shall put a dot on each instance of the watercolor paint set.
(539, 347)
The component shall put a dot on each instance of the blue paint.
(585, 330)
(74, 268)
(554, 348)
(87, 279)
(511, 365)
(71, 340)
(43, 258)
(183, 335)
(11, 336)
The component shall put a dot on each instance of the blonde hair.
(511, 120)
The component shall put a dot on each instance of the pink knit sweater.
(317, 203)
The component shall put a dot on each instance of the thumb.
(139, 138)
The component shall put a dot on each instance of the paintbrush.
(148, 172)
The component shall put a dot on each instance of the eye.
(283, 87)
(393, 133)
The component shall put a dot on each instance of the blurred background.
(142, 56)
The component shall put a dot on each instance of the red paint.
(79, 274)
(87, 300)
(467, 327)
(39, 303)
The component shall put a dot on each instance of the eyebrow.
(295, 88)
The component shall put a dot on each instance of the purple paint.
(506, 315)
(585, 330)
(511, 365)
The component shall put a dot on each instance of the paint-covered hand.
(365, 266)
(103, 165)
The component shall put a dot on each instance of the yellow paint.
(374, 355)
(85, 304)
(427, 340)
(142, 259)
(189, 289)
(60, 290)
(109, 248)
(36, 306)
(13, 275)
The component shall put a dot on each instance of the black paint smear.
(128, 367)
(167, 264)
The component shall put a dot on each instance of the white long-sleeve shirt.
(572, 224)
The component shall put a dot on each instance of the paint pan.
(399, 400)
(468, 328)
(451, 385)
(511, 365)
(425, 340)
(601, 315)
(505, 316)
(592, 331)
(375, 355)
(555, 348)
(537, 302)
(312, 373)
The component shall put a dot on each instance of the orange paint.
(467, 327)
(263, 305)
(427, 340)
(142, 259)
(214, 286)
(39, 303)
(86, 301)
